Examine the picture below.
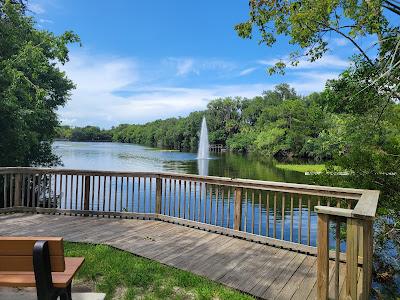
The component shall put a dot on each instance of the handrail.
(252, 209)
(318, 190)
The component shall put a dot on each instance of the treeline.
(279, 123)
(84, 134)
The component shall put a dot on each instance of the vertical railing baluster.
(252, 211)
(121, 193)
(76, 191)
(216, 205)
(309, 221)
(267, 215)
(184, 199)
(190, 198)
(259, 212)
(109, 194)
(275, 200)
(223, 207)
(127, 195)
(179, 198)
(196, 205)
(300, 219)
(133, 195)
(82, 190)
(5, 190)
(203, 184)
(283, 218)
(169, 197)
(28, 190)
(115, 193)
(245, 211)
(291, 217)
(229, 208)
(139, 179)
(211, 205)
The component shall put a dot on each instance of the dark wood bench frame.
(44, 282)
(21, 271)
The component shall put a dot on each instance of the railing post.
(367, 258)
(87, 194)
(17, 190)
(237, 217)
(323, 257)
(158, 195)
(352, 258)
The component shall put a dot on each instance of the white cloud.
(113, 90)
(327, 61)
(247, 71)
(36, 8)
(340, 41)
(311, 81)
(185, 66)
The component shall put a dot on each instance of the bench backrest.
(16, 253)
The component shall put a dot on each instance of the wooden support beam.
(351, 258)
(237, 217)
(158, 195)
(87, 192)
(367, 258)
(323, 257)
(17, 190)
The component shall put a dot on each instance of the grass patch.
(301, 168)
(122, 275)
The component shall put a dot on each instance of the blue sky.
(145, 60)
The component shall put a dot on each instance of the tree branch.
(350, 39)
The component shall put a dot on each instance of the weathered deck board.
(257, 269)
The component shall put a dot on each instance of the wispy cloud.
(340, 41)
(247, 71)
(187, 65)
(327, 61)
(36, 8)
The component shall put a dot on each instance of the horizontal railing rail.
(294, 216)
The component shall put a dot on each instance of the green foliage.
(301, 168)
(308, 23)
(32, 87)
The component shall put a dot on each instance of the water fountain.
(203, 151)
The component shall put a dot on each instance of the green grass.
(123, 275)
(302, 168)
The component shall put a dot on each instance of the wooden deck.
(263, 271)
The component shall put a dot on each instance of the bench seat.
(27, 279)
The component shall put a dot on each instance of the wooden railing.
(293, 216)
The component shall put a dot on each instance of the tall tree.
(32, 86)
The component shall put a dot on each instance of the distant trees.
(87, 134)
(32, 87)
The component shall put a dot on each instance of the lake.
(136, 158)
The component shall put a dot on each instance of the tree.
(32, 87)
(307, 23)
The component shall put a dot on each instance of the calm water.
(130, 157)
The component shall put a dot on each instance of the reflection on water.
(202, 167)
(131, 157)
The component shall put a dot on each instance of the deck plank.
(260, 270)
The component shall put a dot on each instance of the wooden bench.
(38, 262)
